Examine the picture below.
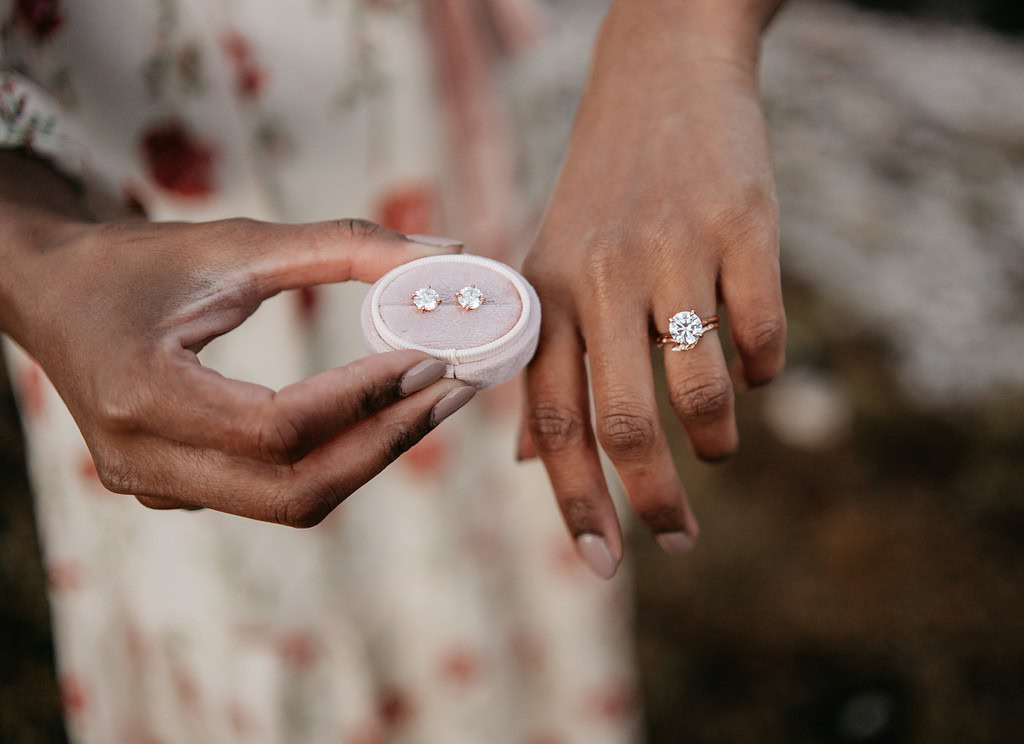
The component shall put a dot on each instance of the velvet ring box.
(484, 346)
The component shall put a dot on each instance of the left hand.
(665, 203)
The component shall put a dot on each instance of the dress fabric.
(440, 603)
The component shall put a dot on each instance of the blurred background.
(859, 573)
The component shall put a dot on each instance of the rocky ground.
(858, 577)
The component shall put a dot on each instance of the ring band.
(685, 329)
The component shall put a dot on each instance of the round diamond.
(470, 298)
(685, 328)
(426, 299)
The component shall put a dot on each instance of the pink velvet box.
(483, 347)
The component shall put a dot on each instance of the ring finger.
(699, 386)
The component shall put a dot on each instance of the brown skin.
(665, 203)
(115, 314)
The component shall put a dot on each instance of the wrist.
(687, 32)
(39, 212)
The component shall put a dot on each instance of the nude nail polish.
(425, 373)
(597, 555)
(434, 241)
(676, 543)
(452, 402)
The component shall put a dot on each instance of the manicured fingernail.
(677, 543)
(434, 241)
(452, 402)
(597, 555)
(425, 373)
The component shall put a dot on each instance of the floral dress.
(443, 601)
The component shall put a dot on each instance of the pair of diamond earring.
(426, 299)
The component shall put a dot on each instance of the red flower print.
(177, 160)
(40, 19)
(408, 209)
(87, 469)
(297, 649)
(64, 575)
(428, 456)
(612, 703)
(237, 47)
(249, 76)
(249, 81)
(186, 686)
(461, 666)
(31, 383)
(72, 693)
(242, 719)
(307, 299)
(90, 478)
(395, 708)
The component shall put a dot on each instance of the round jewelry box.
(483, 346)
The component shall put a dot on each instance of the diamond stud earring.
(426, 299)
(470, 297)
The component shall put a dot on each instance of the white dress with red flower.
(441, 603)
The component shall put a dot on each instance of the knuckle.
(357, 228)
(749, 219)
(661, 516)
(237, 224)
(310, 507)
(279, 440)
(117, 410)
(248, 291)
(152, 502)
(766, 335)
(372, 398)
(399, 438)
(554, 427)
(602, 267)
(116, 474)
(702, 397)
(581, 514)
(627, 429)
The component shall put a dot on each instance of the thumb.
(292, 256)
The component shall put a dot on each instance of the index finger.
(198, 406)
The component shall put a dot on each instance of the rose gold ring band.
(666, 338)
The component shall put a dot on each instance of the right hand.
(116, 314)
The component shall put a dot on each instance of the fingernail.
(597, 555)
(425, 373)
(452, 402)
(676, 543)
(435, 241)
